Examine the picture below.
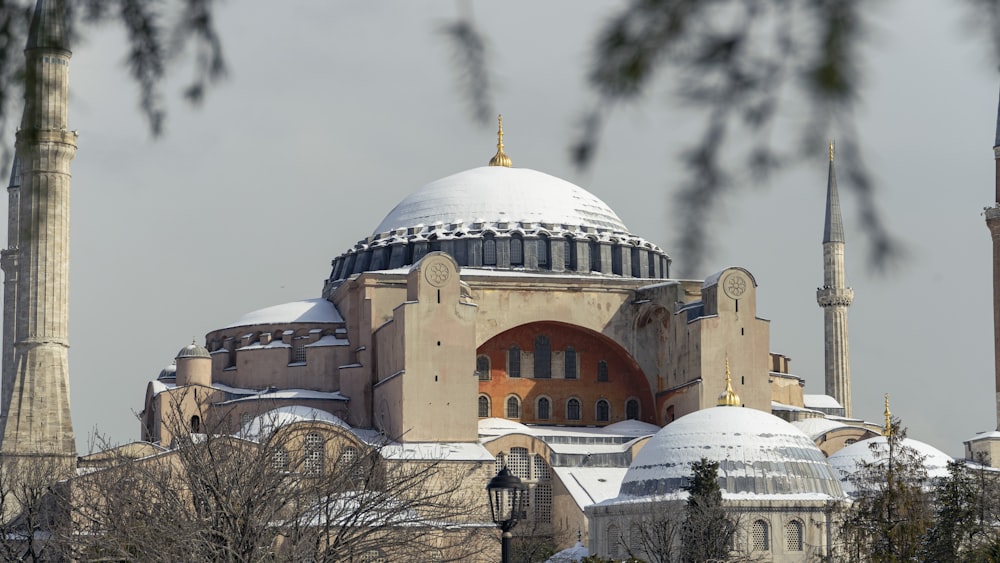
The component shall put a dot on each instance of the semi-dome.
(501, 218)
(758, 454)
(496, 194)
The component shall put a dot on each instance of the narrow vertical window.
(602, 370)
(544, 408)
(793, 536)
(514, 362)
(195, 424)
(632, 409)
(543, 357)
(570, 363)
(569, 255)
(513, 407)
(489, 252)
(280, 460)
(484, 406)
(573, 409)
(616, 260)
(516, 251)
(595, 257)
(761, 540)
(603, 411)
(483, 367)
(313, 455)
(543, 252)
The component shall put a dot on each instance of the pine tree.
(707, 532)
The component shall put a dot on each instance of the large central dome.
(500, 218)
(496, 195)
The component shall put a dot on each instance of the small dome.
(847, 460)
(758, 454)
(193, 350)
(169, 372)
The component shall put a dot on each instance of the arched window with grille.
(516, 251)
(313, 455)
(603, 411)
(514, 362)
(760, 539)
(543, 357)
(573, 409)
(632, 409)
(513, 407)
(489, 251)
(614, 541)
(635, 541)
(519, 463)
(483, 367)
(543, 410)
(570, 363)
(280, 460)
(793, 536)
(484, 406)
(602, 370)
(350, 460)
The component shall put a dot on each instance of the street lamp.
(506, 494)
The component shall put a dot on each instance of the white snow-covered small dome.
(496, 194)
(758, 454)
(262, 425)
(846, 461)
(193, 350)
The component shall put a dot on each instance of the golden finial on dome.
(728, 398)
(832, 145)
(500, 158)
(887, 430)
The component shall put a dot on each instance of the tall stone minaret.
(835, 297)
(993, 224)
(36, 417)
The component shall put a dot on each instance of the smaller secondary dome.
(758, 454)
(847, 460)
(193, 350)
(169, 372)
(312, 311)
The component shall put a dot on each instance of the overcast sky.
(334, 111)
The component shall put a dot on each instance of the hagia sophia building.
(496, 317)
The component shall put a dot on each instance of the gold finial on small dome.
(887, 430)
(500, 158)
(832, 146)
(728, 398)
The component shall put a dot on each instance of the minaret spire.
(993, 224)
(835, 297)
(36, 417)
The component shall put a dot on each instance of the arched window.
(603, 411)
(570, 363)
(373, 556)
(602, 370)
(514, 362)
(614, 541)
(350, 460)
(636, 267)
(544, 408)
(483, 367)
(195, 424)
(518, 463)
(573, 409)
(569, 255)
(760, 540)
(543, 252)
(513, 407)
(635, 542)
(313, 455)
(793, 536)
(516, 251)
(543, 357)
(489, 251)
(280, 460)
(616, 259)
(632, 409)
(484, 406)
(595, 256)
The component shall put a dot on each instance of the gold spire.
(500, 158)
(888, 418)
(831, 150)
(728, 398)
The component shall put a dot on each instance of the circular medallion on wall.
(735, 285)
(437, 274)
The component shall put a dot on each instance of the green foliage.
(707, 532)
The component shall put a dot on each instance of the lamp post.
(506, 493)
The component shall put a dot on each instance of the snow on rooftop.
(992, 434)
(328, 340)
(262, 425)
(758, 453)
(815, 427)
(570, 555)
(496, 194)
(305, 311)
(820, 402)
(591, 485)
(493, 427)
(847, 460)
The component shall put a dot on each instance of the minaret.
(36, 420)
(993, 223)
(835, 297)
(8, 261)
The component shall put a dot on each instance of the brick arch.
(626, 379)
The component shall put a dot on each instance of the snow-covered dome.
(847, 460)
(758, 454)
(193, 350)
(262, 425)
(312, 311)
(496, 194)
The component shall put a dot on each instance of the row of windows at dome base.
(543, 409)
(541, 362)
(758, 540)
(543, 253)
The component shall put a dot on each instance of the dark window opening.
(543, 357)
